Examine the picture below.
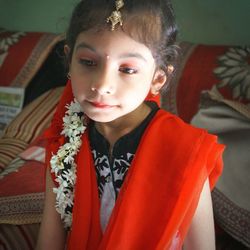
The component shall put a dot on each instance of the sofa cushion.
(230, 121)
(22, 237)
(199, 68)
(22, 189)
(22, 180)
(22, 54)
(28, 124)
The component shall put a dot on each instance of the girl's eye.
(127, 70)
(87, 62)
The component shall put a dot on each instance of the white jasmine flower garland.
(63, 163)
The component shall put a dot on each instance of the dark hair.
(150, 22)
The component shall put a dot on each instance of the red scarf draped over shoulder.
(160, 193)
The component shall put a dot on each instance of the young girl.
(123, 173)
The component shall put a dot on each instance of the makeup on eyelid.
(123, 63)
(131, 59)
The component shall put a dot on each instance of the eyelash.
(88, 63)
(129, 71)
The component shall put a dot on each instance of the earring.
(69, 76)
(156, 92)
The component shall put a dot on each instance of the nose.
(104, 83)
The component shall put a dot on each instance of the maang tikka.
(116, 16)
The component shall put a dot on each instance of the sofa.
(34, 61)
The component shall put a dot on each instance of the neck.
(112, 131)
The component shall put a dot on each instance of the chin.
(103, 118)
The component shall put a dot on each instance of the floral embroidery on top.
(63, 163)
(234, 71)
(114, 171)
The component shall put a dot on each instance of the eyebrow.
(84, 45)
(135, 55)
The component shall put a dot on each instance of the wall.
(214, 21)
(35, 15)
(202, 21)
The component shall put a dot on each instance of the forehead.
(106, 37)
(110, 43)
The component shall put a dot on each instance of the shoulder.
(194, 146)
(170, 123)
(170, 129)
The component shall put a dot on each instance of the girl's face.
(112, 74)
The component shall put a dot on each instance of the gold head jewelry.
(116, 16)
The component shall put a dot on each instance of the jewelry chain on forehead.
(116, 16)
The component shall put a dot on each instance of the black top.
(113, 167)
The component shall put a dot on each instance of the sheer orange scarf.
(160, 192)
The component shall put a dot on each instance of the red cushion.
(30, 178)
(201, 67)
(22, 54)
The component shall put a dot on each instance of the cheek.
(79, 87)
(134, 94)
(144, 86)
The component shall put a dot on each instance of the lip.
(101, 105)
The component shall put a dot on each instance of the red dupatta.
(159, 195)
